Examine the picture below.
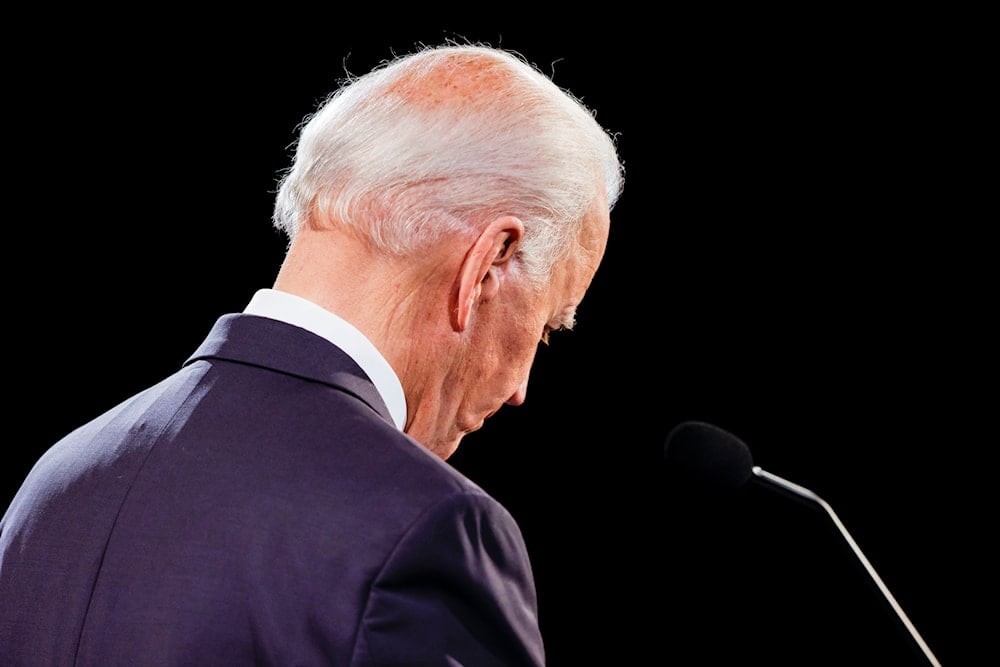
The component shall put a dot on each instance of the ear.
(484, 266)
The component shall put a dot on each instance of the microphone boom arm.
(809, 495)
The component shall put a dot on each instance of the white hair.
(403, 166)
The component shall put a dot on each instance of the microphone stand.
(809, 495)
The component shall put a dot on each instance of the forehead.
(572, 276)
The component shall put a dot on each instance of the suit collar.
(261, 341)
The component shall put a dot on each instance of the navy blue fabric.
(258, 507)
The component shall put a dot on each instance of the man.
(284, 497)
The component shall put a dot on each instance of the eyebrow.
(567, 319)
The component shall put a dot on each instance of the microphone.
(718, 459)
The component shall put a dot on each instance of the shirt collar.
(303, 313)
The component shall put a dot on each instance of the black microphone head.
(708, 455)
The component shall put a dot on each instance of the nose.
(517, 398)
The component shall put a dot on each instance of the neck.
(400, 305)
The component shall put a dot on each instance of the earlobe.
(481, 272)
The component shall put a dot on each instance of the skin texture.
(458, 324)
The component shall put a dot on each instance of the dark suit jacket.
(258, 507)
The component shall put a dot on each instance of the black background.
(797, 258)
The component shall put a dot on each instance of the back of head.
(441, 141)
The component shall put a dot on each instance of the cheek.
(504, 349)
(520, 354)
(508, 354)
